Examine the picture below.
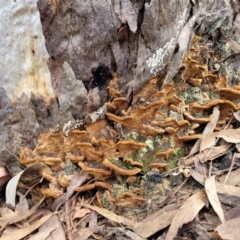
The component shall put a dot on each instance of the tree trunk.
(87, 42)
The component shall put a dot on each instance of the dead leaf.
(42, 235)
(130, 234)
(21, 233)
(16, 218)
(210, 188)
(13, 183)
(197, 176)
(196, 202)
(230, 135)
(53, 221)
(85, 233)
(76, 181)
(93, 219)
(110, 215)
(233, 213)
(208, 130)
(229, 230)
(233, 178)
(237, 115)
(205, 156)
(81, 213)
(208, 141)
(221, 188)
(156, 221)
(228, 190)
(22, 207)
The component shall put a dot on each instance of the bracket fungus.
(129, 141)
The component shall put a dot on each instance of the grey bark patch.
(73, 94)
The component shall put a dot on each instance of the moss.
(173, 159)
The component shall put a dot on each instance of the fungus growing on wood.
(127, 147)
(65, 180)
(120, 169)
(92, 186)
(51, 191)
(131, 179)
(193, 69)
(164, 154)
(158, 163)
(151, 131)
(94, 129)
(133, 163)
(28, 158)
(95, 168)
(129, 199)
(74, 158)
(117, 105)
(113, 87)
(190, 137)
(229, 94)
(138, 117)
(195, 82)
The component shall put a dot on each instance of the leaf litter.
(123, 200)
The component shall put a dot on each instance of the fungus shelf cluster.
(130, 141)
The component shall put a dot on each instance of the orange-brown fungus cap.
(127, 147)
(158, 163)
(165, 154)
(230, 94)
(95, 168)
(85, 188)
(129, 199)
(131, 179)
(120, 170)
(149, 130)
(55, 193)
(133, 163)
(195, 82)
(74, 159)
(94, 129)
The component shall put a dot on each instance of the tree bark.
(87, 41)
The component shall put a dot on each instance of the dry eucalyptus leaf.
(84, 233)
(110, 215)
(13, 183)
(196, 202)
(229, 230)
(221, 188)
(22, 207)
(21, 233)
(76, 181)
(93, 219)
(210, 188)
(17, 218)
(81, 213)
(208, 141)
(228, 190)
(206, 155)
(155, 222)
(208, 130)
(131, 235)
(233, 178)
(237, 115)
(42, 235)
(53, 221)
(230, 135)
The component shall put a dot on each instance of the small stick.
(231, 167)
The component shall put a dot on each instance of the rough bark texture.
(89, 40)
